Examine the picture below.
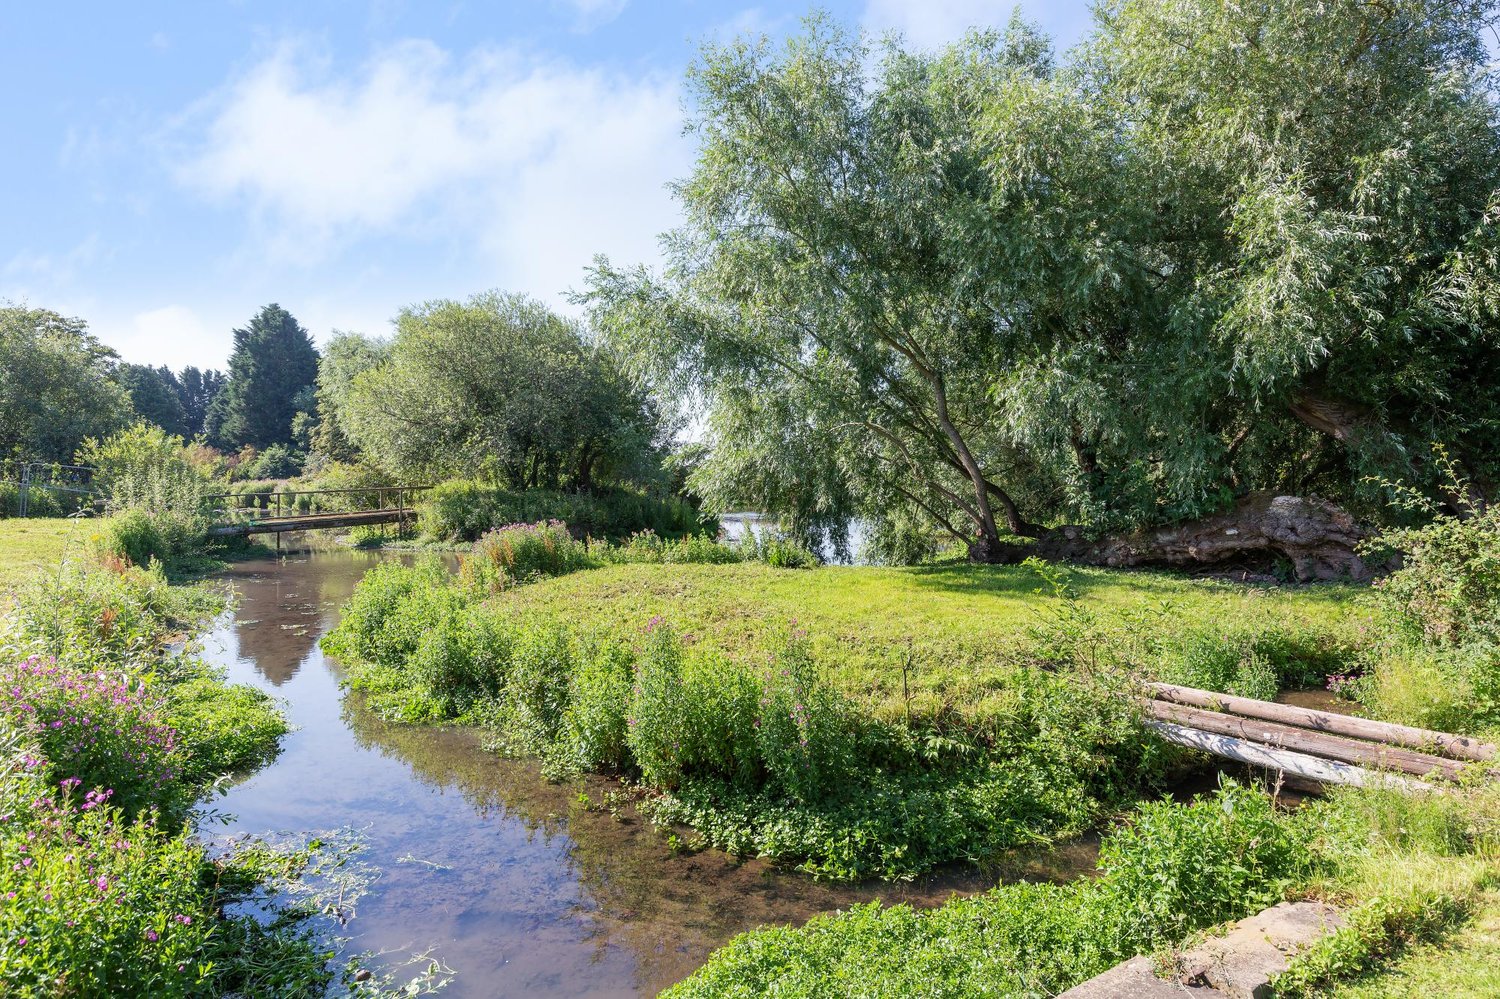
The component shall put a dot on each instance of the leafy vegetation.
(463, 509)
(811, 745)
(110, 730)
(55, 385)
(534, 403)
(1216, 248)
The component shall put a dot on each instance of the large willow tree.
(1221, 248)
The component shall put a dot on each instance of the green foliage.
(522, 553)
(1448, 587)
(272, 369)
(462, 510)
(109, 730)
(646, 547)
(104, 618)
(221, 728)
(55, 385)
(96, 905)
(765, 757)
(155, 397)
(158, 489)
(497, 386)
(1179, 867)
(277, 461)
(986, 288)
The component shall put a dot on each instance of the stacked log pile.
(1320, 746)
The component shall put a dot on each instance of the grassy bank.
(968, 627)
(112, 729)
(855, 722)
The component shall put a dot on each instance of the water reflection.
(505, 877)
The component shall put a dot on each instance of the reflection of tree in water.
(668, 909)
(285, 607)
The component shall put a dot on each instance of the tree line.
(497, 387)
(1215, 250)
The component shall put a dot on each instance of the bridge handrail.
(281, 498)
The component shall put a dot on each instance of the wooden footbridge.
(1320, 746)
(241, 515)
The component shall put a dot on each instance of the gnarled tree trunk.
(1317, 538)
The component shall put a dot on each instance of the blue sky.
(171, 167)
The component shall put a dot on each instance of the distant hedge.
(462, 510)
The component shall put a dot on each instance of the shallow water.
(504, 877)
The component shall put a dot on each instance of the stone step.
(1238, 965)
(1135, 979)
(1243, 961)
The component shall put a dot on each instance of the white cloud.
(539, 163)
(935, 22)
(591, 14)
(173, 335)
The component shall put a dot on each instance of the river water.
(502, 876)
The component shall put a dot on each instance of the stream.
(497, 873)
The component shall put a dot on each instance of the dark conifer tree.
(196, 390)
(156, 396)
(273, 362)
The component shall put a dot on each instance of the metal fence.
(48, 489)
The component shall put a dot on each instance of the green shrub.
(462, 510)
(385, 619)
(596, 722)
(1448, 587)
(144, 466)
(97, 906)
(276, 462)
(140, 536)
(95, 616)
(102, 731)
(521, 553)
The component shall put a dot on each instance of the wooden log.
(1331, 747)
(1281, 760)
(1457, 746)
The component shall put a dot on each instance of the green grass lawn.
(968, 625)
(1466, 965)
(27, 544)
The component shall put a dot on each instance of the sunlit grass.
(27, 544)
(966, 626)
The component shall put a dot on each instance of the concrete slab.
(1135, 979)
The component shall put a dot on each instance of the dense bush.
(1175, 869)
(462, 510)
(105, 731)
(96, 905)
(144, 466)
(521, 553)
(1448, 587)
(96, 616)
(139, 536)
